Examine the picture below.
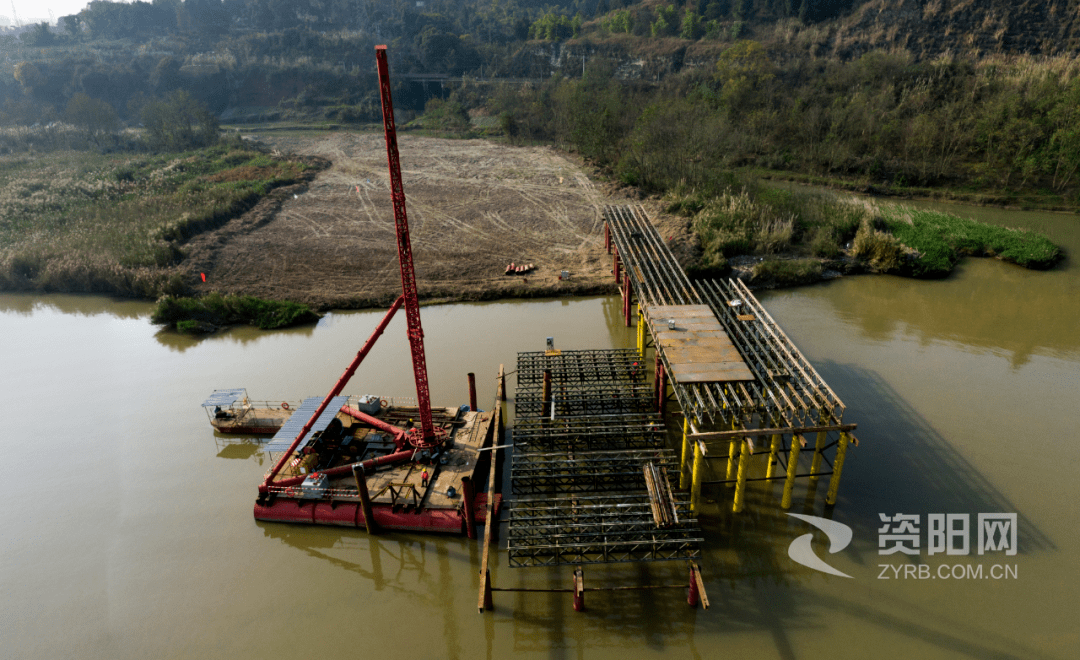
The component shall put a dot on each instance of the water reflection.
(240, 448)
(27, 304)
(400, 564)
(240, 335)
(987, 305)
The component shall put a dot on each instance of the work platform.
(582, 446)
(740, 382)
(590, 474)
(695, 345)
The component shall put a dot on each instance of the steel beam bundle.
(786, 388)
(793, 385)
(584, 472)
(594, 529)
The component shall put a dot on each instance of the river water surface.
(128, 530)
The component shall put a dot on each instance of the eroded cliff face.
(976, 27)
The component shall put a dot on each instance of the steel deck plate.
(697, 349)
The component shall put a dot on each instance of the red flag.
(203, 276)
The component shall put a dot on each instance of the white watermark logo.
(949, 534)
(839, 537)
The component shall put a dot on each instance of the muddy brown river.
(128, 531)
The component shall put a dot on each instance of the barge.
(356, 469)
(231, 411)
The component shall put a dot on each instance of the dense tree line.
(885, 119)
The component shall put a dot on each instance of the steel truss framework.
(786, 388)
(641, 431)
(585, 472)
(603, 368)
(586, 464)
(582, 384)
(595, 529)
(566, 403)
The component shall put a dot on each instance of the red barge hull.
(350, 514)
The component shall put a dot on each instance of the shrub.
(824, 242)
(787, 272)
(879, 248)
(941, 238)
(736, 224)
(188, 314)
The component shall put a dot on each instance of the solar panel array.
(225, 397)
(283, 439)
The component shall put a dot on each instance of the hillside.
(973, 28)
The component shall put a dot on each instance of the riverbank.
(317, 227)
(1023, 200)
(120, 223)
(474, 207)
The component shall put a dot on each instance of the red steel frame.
(428, 436)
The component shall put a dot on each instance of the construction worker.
(423, 478)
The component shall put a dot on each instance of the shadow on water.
(911, 467)
(755, 586)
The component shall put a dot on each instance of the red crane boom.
(427, 436)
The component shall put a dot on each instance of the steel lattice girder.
(586, 404)
(603, 366)
(597, 434)
(583, 472)
(597, 529)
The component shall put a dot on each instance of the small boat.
(230, 411)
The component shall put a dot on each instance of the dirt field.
(473, 208)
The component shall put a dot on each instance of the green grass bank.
(796, 234)
(116, 223)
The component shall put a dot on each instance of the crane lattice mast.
(428, 436)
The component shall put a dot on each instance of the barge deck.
(331, 492)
